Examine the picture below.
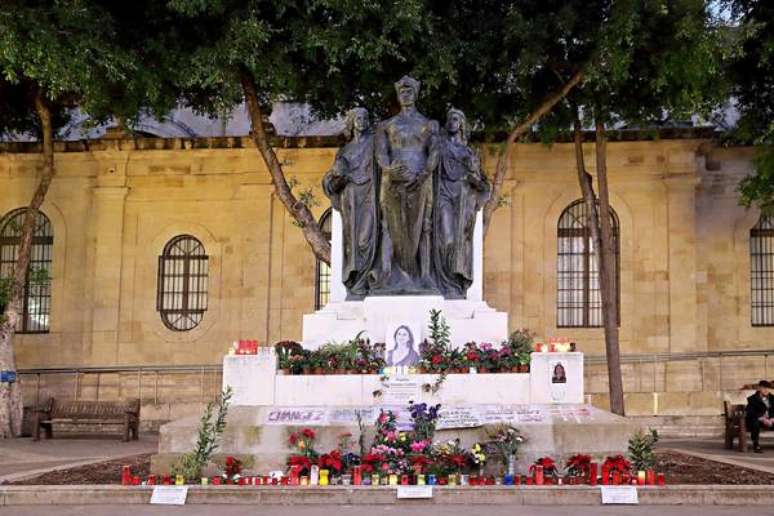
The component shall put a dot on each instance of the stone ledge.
(339, 495)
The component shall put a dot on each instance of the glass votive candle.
(660, 479)
(205, 481)
(420, 479)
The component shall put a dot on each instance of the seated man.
(760, 413)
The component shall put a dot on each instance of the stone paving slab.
(713, 449)
(689, 495)
(24, 458)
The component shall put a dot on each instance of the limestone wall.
(115, 203)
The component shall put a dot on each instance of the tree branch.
(297, 209)
(504, 158)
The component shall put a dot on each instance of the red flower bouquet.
(617, 463)
(579, 465)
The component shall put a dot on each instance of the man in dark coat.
(760, 413)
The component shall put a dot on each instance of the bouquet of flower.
(303, 445)
(232, 468)
(579, 465)
(424, 419)
(477, 456)
(617, 463)
(549, 466)
(504, 442)
(448, 457)
(331, 461)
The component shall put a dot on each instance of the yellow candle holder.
(393, 479)
(324, 477)
(179, 480)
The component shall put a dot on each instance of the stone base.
(555, 431)
(341, 321)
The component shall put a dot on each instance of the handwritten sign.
(413, 492)
(619, 495)
(169, 495)
(316, 416)
(399, 390)
(458, 417)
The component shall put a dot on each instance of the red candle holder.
(126, 476)
(660, 479)
(266, 480)
(136, 480)
(616, 478)
(274, 481)
(650, 477)
(490, 481)
(151, 480)
(593, 474)
(530, 481)
(357, 475)
(539, 478)
(404, 480)
(216, 481)
(517, 480)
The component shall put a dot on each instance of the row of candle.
(321, 477)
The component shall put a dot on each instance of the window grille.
(182, 283)
(762, 272)
(36, 302)
(322, 284)
(578, 296)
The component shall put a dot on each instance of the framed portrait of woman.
(402, 345)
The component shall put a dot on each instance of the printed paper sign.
(169, 495)
(415, 492)
(458, 417)
(619, 495)
(400, 390)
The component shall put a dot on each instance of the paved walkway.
(388, 510)
(713, 449)
(24, 458)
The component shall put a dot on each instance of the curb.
(348, 495)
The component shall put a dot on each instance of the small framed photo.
(402, 345)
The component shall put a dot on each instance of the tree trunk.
(608, 276)
(11, 408)
(506, 152)
(297, 209)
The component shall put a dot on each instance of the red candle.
(216, 481)
(616, 478)
(357, 475)
(266, 480)
(126, 476)
(593, 473)
(517, 480)
(530, 481)
(151, 480)
(661, 479)
(136, 480)
(539, 479)
(605, 474)
(404, 480)
(490, 481)
(274, 481)
(650, 476)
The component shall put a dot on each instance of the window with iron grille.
(182, 283)
(36, 302)
(578, 295)
(322, 284)
(762, 272)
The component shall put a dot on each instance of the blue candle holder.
(431, 480)
(508, 480)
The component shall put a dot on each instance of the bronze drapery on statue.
(404, 151)
(351, 185)
(461, 189)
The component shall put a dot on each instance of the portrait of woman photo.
(402, 352)
(559, 375)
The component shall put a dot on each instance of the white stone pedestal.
(340, 321)
(251, 377)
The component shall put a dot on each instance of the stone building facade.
(116, 204)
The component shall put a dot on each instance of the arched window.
(762, 272)
(322, 283)
(182, 285)
(37, 288)
(578, 296)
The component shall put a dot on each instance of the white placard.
(619, 495)
(458, 417)
(400, 390)
(415, 491)
(169, 495)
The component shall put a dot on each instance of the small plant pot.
(483, 370)
(319, 370)
(516, 369)
(284, 371)
(522, 369)
(306, 370)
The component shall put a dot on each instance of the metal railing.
(142, 372)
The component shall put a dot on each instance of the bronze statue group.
(408, 193)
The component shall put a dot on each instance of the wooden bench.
(734, 416)
(126, 413)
